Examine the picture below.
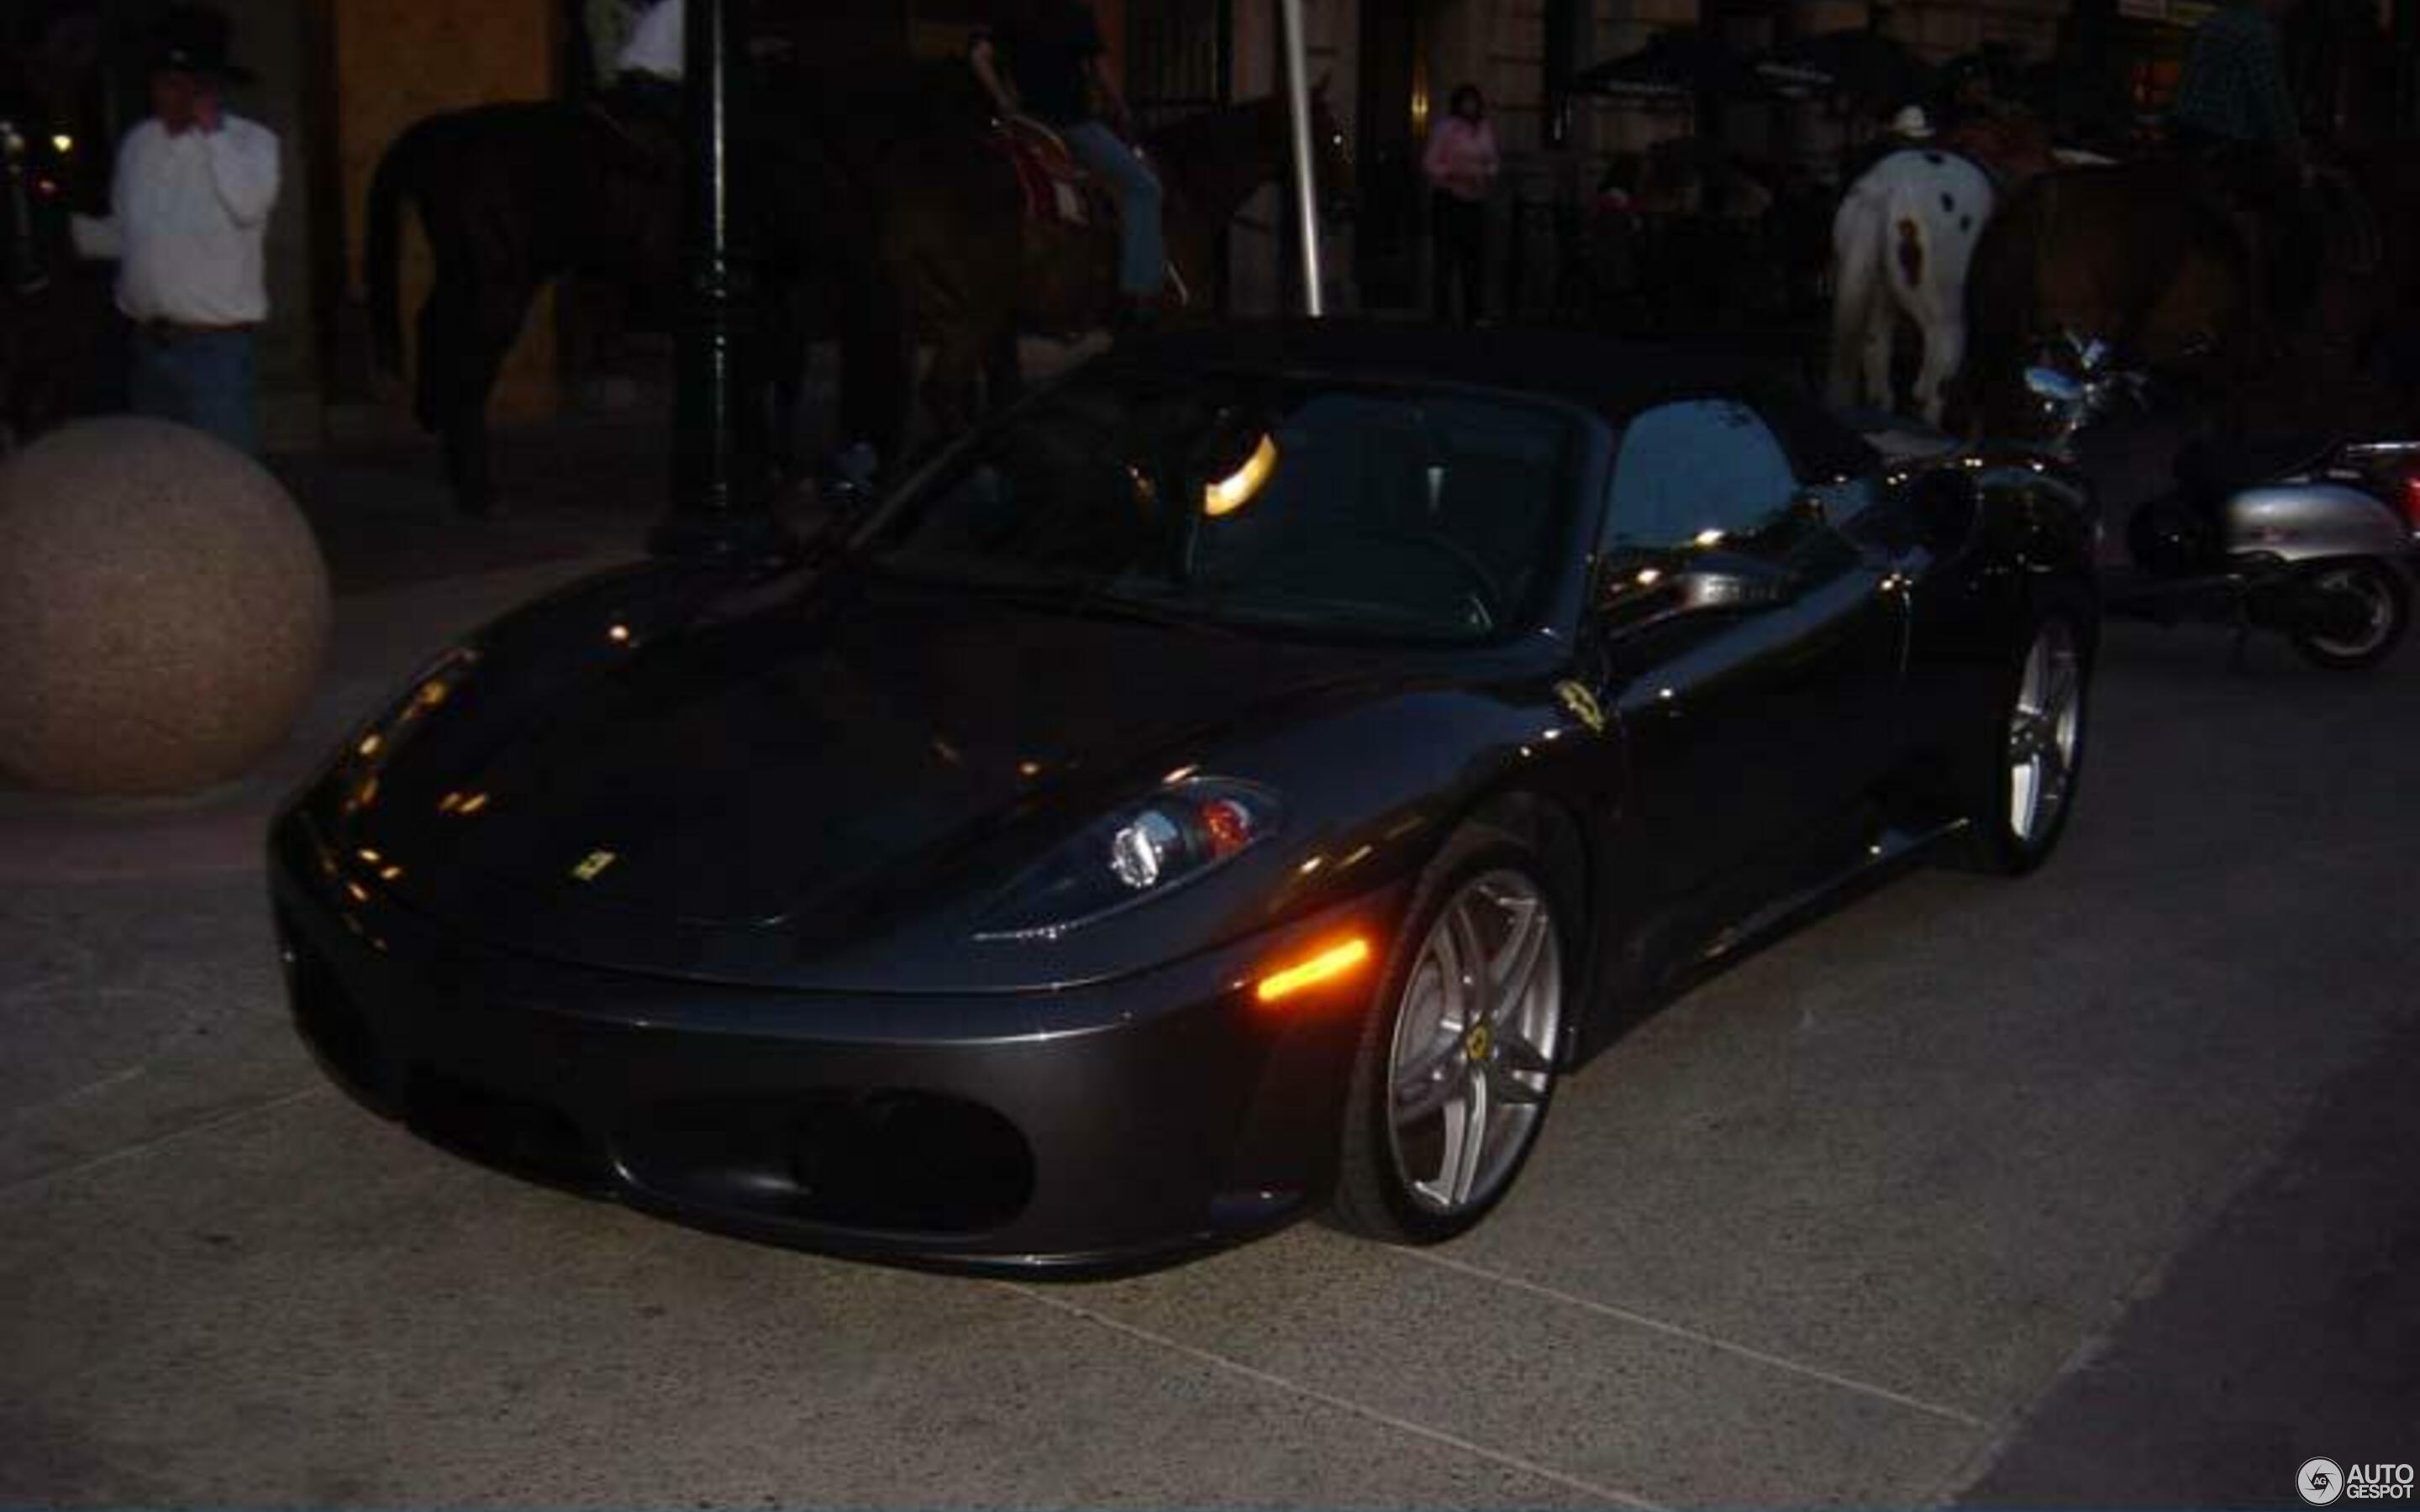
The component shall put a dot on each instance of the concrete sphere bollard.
(163, 609)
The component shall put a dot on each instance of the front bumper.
(1095, 1128)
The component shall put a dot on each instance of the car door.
(1749, 648)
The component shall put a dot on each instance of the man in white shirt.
(654, 49)
(188, 214)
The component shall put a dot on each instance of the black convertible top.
(1612, 378)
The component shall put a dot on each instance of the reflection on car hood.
(839, 757)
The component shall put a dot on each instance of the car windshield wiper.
(1080, 597)
(1097, 603)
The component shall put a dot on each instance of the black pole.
(1563, 19)
(2407, 66)
(721, 503)
(26, 272)
(1222, 261)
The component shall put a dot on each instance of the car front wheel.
(1457, 1060)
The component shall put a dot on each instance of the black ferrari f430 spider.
(1247, 776)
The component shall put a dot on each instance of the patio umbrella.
(1855, 66)
(1682, 64)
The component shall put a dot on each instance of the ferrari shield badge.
(1580, 704)
(593, 864)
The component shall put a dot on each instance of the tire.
(1406, 1173)
(2024, 781)
(2383, 594)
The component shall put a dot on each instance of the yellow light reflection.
(1029, 770)
(1650, 576)
(392, 873)
(473, 804)
(370, 744)
(1710, 537)
(1232, 492)
(64, 143)
(619, 635)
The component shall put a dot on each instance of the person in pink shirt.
(1461, 165)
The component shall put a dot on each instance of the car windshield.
(1322, 508)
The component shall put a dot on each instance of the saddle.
(1053, 185)
(1059, 190)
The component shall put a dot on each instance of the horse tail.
(1909, 250)
(381, 248)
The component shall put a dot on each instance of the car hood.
(824, 761)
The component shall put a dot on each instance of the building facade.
(338, 79)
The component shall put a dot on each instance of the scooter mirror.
(2051, 384)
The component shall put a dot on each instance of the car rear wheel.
(1457, 1061)
(2028, 786)
(2378, 611)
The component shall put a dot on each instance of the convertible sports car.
(1253, 771)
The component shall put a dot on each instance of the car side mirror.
(1733, 583)
(1644, 589)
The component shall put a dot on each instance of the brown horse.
(2133, 254)
(513, 196)
(2153, 257)
(970, 268)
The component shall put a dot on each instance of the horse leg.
(463, 385)
(783, 357)
(1877, 343)
(446, 400)
(1857, 309)
(1933, 300)
(1004, 371)
(876, 370)
(1940, 319)
(951, 388)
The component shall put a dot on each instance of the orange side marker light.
(1334, 961)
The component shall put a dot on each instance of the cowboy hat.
(194, 39)
(1912, 123)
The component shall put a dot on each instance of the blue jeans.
(202, 378)
(1142, 258)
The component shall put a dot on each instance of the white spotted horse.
(1901, 242)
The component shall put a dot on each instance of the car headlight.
(1146, 850)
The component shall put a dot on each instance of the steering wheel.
(1487, 596)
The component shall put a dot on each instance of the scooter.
(2318, 541)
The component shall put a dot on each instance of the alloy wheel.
(1472, 1062)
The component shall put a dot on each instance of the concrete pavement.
(2048, 1192)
